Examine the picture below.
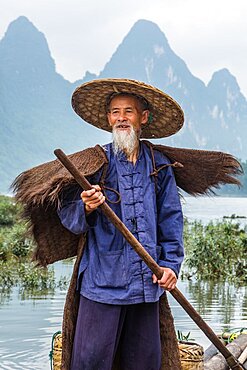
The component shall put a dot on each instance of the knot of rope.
(156, 170)
(103, 187)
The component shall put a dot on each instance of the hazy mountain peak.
(21, 23)
(148, 29)
(25, 47)
(144, 54)
(229, 102)
(224, 78)
(224, 82)
(22, 31)
(145, 37)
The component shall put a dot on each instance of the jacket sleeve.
(72, 212)
(169, 222)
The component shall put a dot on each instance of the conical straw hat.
(89, 102)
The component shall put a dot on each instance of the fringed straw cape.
(198, 172)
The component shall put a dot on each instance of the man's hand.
(168, 280)
(92, 198)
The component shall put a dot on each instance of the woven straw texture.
(191, 355)
(57, 352)
(89, 102)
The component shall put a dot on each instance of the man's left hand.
(168, 280)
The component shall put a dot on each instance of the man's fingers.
(169, 284)
(92, 198)
(95, 198)
(92, 194)
(96, 187)
(170, 287)
(154, 277)
(88, 193)
(96, 202)
(168, 280)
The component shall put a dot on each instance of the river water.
(28, 323)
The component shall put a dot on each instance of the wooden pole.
(154, 267)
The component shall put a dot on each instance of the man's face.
(124, 112)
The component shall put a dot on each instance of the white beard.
(124, 141)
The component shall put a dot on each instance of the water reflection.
(5, 296)
(221, 299)
(221, 305)
(28, 320)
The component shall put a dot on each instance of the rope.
(52, 348)
(114, 191)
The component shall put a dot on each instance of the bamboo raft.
(236, 342)
(191, 354)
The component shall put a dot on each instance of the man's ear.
(108, 119)
(145, 115)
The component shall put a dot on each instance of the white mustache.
(123, 124)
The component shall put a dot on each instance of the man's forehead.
(124, 100)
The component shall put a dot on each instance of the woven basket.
(56, 351)
(191, 355)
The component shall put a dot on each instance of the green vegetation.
(16, 248)
(216, 251)
(213, 251)
(184, 337)
(9, 211)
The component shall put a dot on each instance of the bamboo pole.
(211, 351)
(243, 357)
(154, 267)
(236, 347)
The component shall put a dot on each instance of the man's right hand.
(92, 198)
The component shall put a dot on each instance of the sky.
(82, 35)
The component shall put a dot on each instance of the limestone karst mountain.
(36, 115)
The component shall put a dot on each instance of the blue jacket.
(110, 270)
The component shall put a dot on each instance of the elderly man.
(116, 314)
(119, 296)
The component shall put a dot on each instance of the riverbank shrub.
(14, 242)
(36, 278)
(9, 211)
(216, 251)
(16, 248)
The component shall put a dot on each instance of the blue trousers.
(102, 328)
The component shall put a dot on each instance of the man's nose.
(122, 116)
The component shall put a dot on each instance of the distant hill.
(36, 115)
(216, 115)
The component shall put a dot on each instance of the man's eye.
(114, 111)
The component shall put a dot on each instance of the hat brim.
(89, 102)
